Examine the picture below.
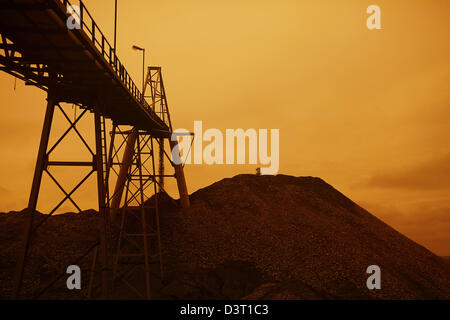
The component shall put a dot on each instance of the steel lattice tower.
(78, 67)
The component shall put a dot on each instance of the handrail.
(90, 27)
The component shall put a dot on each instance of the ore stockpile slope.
(308, 239)
(257, 237)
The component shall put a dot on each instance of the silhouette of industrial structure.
(79, 67)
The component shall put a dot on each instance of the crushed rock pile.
(250, 237)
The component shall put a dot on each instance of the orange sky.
(367, 111)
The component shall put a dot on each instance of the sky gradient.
(367, 111)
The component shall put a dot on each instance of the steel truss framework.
(139, 243)
(80, 67)
(128, 245)
(158, 103)
(44, 163)
(12, 62)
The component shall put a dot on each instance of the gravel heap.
(301, 232)
(248, 237)
(60, 241)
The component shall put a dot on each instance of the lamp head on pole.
(138, 48)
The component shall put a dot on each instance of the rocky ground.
(249, 237)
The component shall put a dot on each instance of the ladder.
(105, 161)
(139, 241)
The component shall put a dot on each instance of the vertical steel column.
(158, 229)
(181, 180)
(143, 218)
(41, 164)
(106, 270)
(127, 161)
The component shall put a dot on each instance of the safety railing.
(91, 29)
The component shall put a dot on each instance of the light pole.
(143, 66)
(115, 28)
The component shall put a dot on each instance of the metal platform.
(76, 66)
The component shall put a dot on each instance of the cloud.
(433, 174)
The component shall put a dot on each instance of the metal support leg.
(92, 275)
(124, 169)
(143, 220)
(106, 270)
(158, 229)
(181, 180)
(32, 203)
